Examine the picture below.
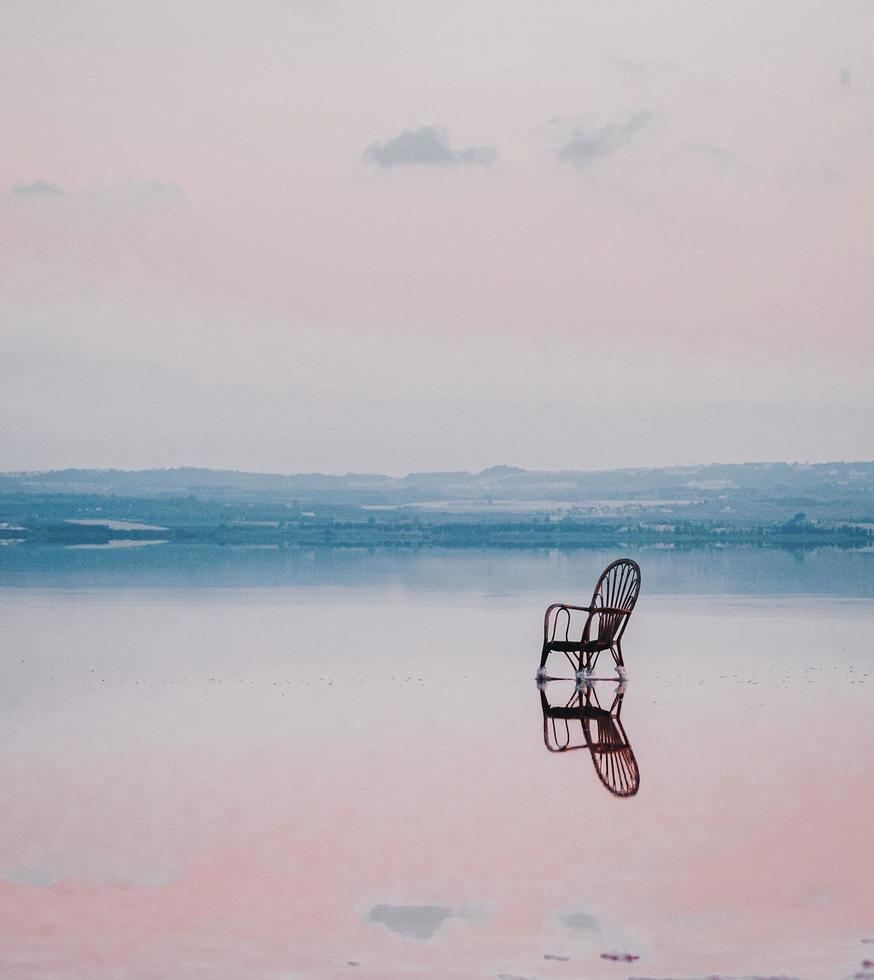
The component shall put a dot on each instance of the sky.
(383, 236)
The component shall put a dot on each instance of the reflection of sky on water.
(236, 783)
(115, 544)
(474, 572)
(114, 525)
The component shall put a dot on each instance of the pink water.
(252, 784)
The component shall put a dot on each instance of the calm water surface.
(327, 765)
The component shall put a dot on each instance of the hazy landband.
(784, 504)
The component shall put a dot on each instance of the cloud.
(712, 153)
(427, 146)
(586, 145)
(832, 176)
(155, 190)
(857, 79)
(135, 194)
(129, 194)
(38, 188)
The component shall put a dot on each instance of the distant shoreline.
(762, 504)
(468, 534)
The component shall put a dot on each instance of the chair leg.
(616, 650)
(544, 656)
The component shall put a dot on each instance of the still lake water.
(281, 764)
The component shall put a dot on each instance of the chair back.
(617, 589)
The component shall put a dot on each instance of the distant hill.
(820, 481)
(782, 504)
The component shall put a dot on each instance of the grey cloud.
(712, 151)
(156, 189)
(420, 922)
(134, 193)
(714, 154)
(584, 146)
(857, 79)
(427, 146)
(832, 176)
(38, 188)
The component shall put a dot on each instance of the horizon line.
(507, 467)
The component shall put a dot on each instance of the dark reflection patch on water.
(580, 922)
(86, 871)
(421, 922)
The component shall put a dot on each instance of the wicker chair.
(605, 621)
(600, 731)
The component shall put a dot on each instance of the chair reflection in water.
(582, 723)
(582, 639)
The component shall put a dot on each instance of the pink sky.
(186, 207)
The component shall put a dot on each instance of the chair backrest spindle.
(617, 589)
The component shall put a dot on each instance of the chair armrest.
(567, 605)
(560, 605)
